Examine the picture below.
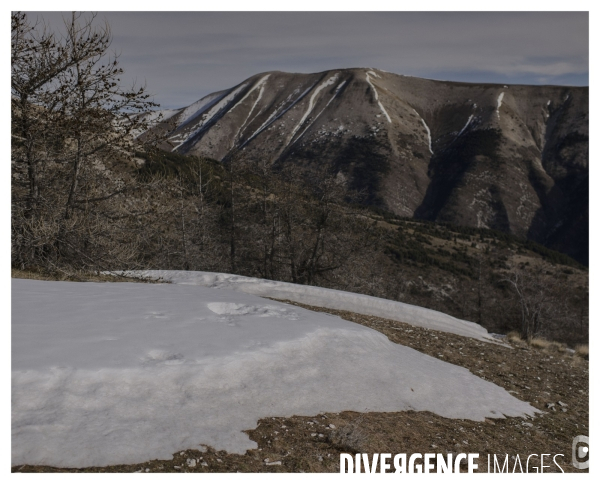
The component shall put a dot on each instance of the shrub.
(583, 351)
(514, 337)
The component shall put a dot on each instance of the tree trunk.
(74, 182)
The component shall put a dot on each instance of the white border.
(264, 5)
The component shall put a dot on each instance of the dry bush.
(583, 351)
(71, 121)
(541, 343)
(514, 337)
(42, 274)
(559, 347)
(546, 345)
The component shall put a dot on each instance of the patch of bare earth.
(554, 381)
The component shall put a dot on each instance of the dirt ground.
(552, 380)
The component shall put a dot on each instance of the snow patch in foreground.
(120, 373)
(326, 298)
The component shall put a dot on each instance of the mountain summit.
(507, 157)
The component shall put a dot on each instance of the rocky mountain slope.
(512, 158)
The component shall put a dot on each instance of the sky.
(182, 56)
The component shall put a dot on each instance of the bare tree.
(70, 118)
(321, 234)
(99, 118)
(535, 298)
(37, 60)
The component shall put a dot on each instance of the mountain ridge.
(507, 157)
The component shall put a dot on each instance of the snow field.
(120, 373)
(326, 298)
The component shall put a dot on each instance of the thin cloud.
(185, 55)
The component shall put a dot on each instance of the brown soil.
(543, 377)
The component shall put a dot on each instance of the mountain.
(507, 157)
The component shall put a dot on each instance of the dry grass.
(514, 337)
(583, 351)
(556, 346)
(42, 275)
(540, 343)
(548, 346)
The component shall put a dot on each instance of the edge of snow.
(327, 298)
